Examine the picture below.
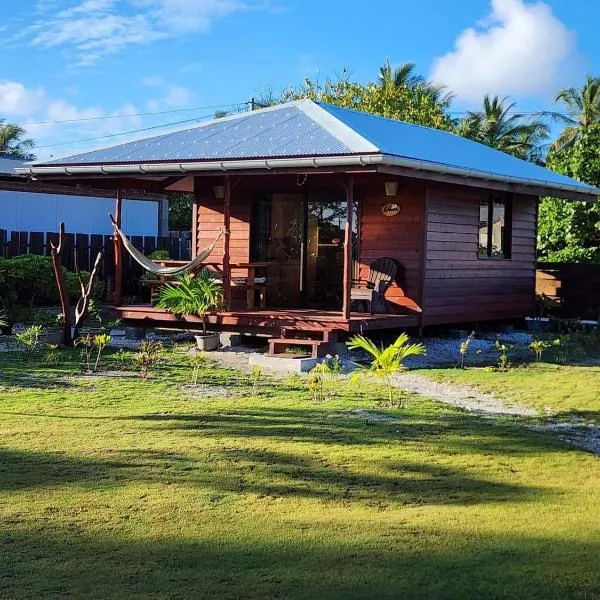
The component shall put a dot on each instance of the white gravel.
(464, 397)
(582, 435)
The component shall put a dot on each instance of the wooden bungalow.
(310, 195)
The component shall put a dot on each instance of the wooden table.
(251, 281)
(250, 267)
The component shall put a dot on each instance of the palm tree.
(402, 75)
(436, 93)
(405, 76)
(386, 361)
(583, 106)
(496, 125)
(13, 143)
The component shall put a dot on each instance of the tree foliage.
(407, 102)
(499, 126)
(14, 143)
(180, 212)
(583, 106)
(569, 231)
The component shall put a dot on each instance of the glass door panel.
(301, 236)
(285, 250)
(326, 220)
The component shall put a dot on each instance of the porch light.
(391, 188)
(219, 191)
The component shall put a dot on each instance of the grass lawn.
(567, 391)
(120, 488)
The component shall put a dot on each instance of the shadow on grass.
(378, 482)
(578, 415)
(451, 430)
(400, 562)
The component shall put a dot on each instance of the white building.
(34, 206)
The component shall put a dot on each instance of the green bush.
(28, 280)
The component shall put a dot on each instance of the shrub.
(28, 280)
(463, 349)
(159, 255)
(52, 356)
(386, 362)
(29, 339)
(192, 296)
(538, 347)
(503, 358)
(86, 342)
(147, 355)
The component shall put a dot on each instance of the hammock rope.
(149, 265)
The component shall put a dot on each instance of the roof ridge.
(337, 128)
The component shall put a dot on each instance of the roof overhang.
(408, 167)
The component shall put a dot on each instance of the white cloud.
(519, 49)
(94, 28)
(178, 96)
(174, 96)
(153, 81)
(18, 100)
(54, 123)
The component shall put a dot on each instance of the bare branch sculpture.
(56, 252)
(70, 330)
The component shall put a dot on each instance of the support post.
(226, 240)
(194, 252)
(118, 251)
(56, 251)
(347, 287)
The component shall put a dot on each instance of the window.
(495, 216)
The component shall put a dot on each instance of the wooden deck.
(269, 321)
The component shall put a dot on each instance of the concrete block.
(134, 333)
(229, 339)
(283, 363)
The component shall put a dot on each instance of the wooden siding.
(399, 237)
(460, 287)
(211, 220)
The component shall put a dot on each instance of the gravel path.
(582, 435)
(464, 397)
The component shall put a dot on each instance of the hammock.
(149, 265)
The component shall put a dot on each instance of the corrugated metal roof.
(441, 147)
(303, 130)
(283, 131)
(8, 165)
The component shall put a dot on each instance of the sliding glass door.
(301, 236)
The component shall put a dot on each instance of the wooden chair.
(382, 272)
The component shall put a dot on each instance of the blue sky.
(94, 59)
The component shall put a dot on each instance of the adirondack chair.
(381, 274)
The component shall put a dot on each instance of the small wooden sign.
(391, 209)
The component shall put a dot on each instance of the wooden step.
(315, 348)
(323, 334)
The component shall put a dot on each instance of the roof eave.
(419, 169)
(460, 175)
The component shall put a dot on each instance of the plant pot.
(210, 341)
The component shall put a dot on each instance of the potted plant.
(198, 296)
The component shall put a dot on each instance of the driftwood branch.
(56, 252)
(71, 330)
(83, 304)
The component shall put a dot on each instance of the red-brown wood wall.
(450, 283)
(210, 220)
(399, 237)
(460, 286)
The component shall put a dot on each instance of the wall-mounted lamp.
(219, 191)
(391, 188)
